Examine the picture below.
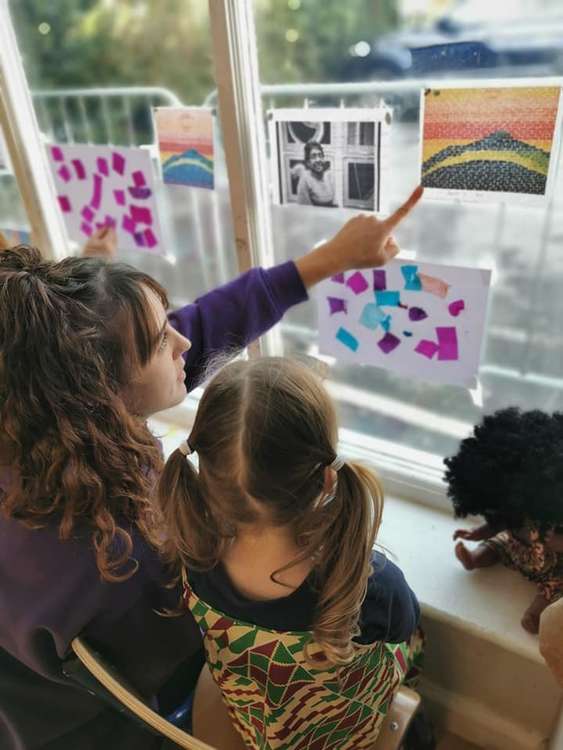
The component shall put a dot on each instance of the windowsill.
(489, 603)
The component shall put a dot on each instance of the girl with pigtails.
(307, 631)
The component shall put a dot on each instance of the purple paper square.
(379, 280)
(388, 343)
(417, 313)
(337, 305)
(86, 229)
(339, 278)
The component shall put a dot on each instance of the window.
(325, 53)
(95, 70)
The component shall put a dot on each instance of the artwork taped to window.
(107, 186)
(490, 143)
(417, 319)
(331, 158)
(185, 141)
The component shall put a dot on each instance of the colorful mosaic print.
(490, 139)
(280, 700)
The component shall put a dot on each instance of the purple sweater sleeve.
(233, 315)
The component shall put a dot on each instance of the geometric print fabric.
(280, 699)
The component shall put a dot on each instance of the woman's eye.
(163, 340)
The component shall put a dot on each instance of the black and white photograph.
(329, 158)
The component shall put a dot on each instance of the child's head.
(80, 344)
(265, 435)
(511, 470)
(314, 157)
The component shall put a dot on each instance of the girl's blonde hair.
(264, 433)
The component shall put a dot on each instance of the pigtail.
(344, 559)
(192, 538)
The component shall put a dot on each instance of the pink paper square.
(447, 340)
(119, 196)
(357, 283)
(150, 239)
(64, 203)
(427, 348)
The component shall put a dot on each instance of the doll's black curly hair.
(510, 470)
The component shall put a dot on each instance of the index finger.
(397, 217)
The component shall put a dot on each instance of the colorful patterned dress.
(278, 699)
(533, 558)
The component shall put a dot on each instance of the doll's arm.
(485, 531)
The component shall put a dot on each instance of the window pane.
(95, 69)
(388, 47)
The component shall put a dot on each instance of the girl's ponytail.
(192, 538)
(344, 559)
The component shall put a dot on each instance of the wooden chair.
(212, 728)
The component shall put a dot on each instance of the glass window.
(95, 69)
(14, 223)
(360, 53)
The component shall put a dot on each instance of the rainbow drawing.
(185, 138)
(497, 139)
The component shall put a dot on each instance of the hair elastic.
(185, 448)
(338, 463)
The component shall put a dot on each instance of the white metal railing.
(119, 115)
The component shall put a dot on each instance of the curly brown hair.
(71, 335)
(264, 432)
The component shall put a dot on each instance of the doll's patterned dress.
(533, 559)
(280, 698)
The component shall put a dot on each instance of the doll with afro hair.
(510, 472)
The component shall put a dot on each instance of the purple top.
(50, 591)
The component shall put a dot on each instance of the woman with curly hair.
(87, 353)
(511, 473)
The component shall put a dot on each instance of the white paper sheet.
(417, 319)
(107, 185)
(354, 146)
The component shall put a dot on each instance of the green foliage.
(324, 31)
(167, 42)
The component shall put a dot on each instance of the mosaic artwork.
(417, 319)
(489, 139)
(100, 186)
(185, 140)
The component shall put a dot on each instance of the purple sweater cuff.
(286, 285)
